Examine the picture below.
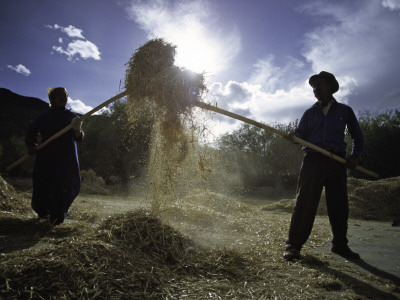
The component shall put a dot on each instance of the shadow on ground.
(361, 288)
(18, 234)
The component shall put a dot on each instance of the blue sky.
(257, 55)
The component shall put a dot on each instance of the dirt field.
(232, 249)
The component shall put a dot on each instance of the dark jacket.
(56, 174)
(328, 131)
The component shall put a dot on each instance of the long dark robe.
(56, 174)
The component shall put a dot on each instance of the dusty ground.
(257, 236)
(377, 242)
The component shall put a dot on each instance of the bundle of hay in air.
(158, 88)
(153, 82)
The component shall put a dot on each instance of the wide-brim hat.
(327, 77)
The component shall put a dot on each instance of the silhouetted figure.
(56, 174)
(324, 125)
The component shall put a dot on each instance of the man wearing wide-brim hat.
(324, 125)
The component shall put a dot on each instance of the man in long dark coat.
(56, 173)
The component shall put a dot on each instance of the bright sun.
(197, 54)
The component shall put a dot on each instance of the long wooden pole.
(65, 129)
(208, 107)
(281, 133)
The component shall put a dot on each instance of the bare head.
(58, 97)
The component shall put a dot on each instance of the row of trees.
(382, 142)
(264, 159)
(117, 149)
(260, 157)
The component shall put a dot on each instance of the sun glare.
(197, 54)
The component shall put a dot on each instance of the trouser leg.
(308, 195)
(337, 202)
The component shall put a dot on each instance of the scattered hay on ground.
(137, 255)
(368, 200)
(374, 200)
(10, 200)
(132, 255)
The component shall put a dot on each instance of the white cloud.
(80, 107)
(192, 28)
(72, 31)
(84, 49)
(79, 47)
(391, 4)
(257, 100)
(360, 45)
(272, 94)
(253, 102)
(20, 69)
(273, 77)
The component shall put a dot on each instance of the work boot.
(345, 251)
(291, 254)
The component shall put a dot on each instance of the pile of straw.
(141, 231)
(374, 200)
(368, 200)
(132, 255)
(77, 269)
(10, 200)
